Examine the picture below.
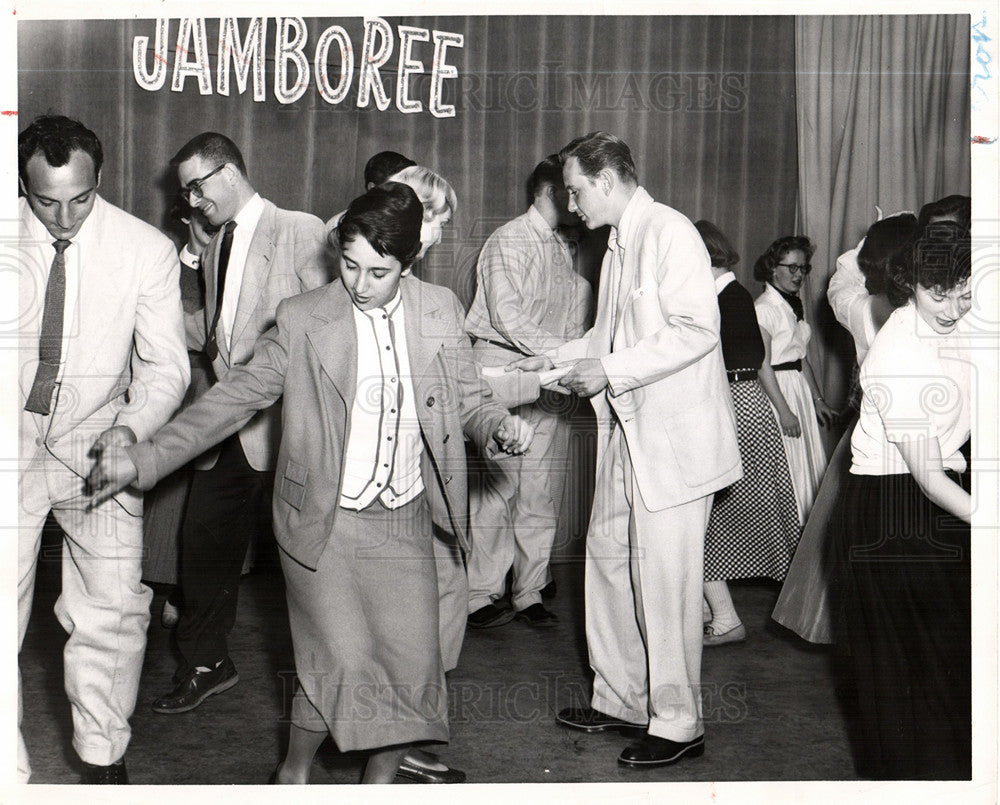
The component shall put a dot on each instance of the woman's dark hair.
(950, 208)
(389, 218)
(56, 137)
(763, 269)
(940, 258)
(720, 250)
(885, 242)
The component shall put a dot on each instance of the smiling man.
(260, 256)
(102, 364)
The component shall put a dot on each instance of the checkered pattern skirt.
(754, 526)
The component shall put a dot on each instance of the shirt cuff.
(189, 258)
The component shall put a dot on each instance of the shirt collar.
(722, 281)
(621, 234)
(537, 222)
(246, 219)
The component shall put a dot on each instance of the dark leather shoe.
(654, 751)
(115, 774)
(587, 719)
(197, 686)
(488, 616)
(549, 590)
(536, 615)
(409, 770)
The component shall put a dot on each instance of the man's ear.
(406, 271)
(24, 189)
(606, 180)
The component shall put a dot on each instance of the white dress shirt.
(246, 224)
(39, 248)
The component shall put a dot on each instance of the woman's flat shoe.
(712, 638)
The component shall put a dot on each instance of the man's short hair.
(57, 137)
(598, 151)
(389, 217)
(383, 165)
(211, 147)
(547, 172)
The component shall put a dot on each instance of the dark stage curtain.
(707, 105)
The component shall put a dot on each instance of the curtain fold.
(707, 105)
(882, 118)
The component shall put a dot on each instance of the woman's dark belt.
(790, 366)
(736, 375)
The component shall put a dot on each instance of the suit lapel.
(334, 338)
(423, 330)
(255, 270)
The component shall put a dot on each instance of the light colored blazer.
(125, 360)
(310, 357)
(288, 255)
(667, 379)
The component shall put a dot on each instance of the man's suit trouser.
(103, 606)
(513, 518)
(644, 588)
(228, 504)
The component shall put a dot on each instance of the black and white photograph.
(503, 400)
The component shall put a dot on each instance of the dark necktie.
(212, 345)
(50, 342)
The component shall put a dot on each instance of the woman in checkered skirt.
(754, 525)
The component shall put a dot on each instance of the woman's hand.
(789, 424)
(533, 363)
(824, 413)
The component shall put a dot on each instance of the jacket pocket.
(697, 439)
(292, 488)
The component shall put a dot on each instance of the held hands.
(789, 424)
(113, 470)
(586, 378)
(514, 435)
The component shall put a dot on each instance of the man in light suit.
(652, 366)
(102, 363)
(260, 256)
(416, 399)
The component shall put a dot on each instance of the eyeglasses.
(796, 268)
(193, 188)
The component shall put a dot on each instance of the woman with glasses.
(903, 526)
(786, 374)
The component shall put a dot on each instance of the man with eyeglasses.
(102, 364)
(260, 256)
